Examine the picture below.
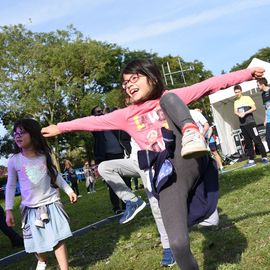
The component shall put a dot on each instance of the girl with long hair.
(44, 221)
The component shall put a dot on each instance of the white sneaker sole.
(139, 209)
(168, 265)
(195, 153)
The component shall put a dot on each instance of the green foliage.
(262, 54)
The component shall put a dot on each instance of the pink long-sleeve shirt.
(143, 121)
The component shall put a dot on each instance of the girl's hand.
(10, 218)
(257, 72)
(73, 197)
(50, 131)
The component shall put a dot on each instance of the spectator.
(207, 132)
(265, 89)
(108, 147)
(72, 177)
(89, 178)
(244, 106)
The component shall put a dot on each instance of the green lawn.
(241, 242)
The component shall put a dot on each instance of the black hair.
(237, 87)
(149, 69)
(262, 81)
(39, 143)
(93, 111)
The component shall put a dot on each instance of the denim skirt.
(43, 239)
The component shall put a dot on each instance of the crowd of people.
(156, 137)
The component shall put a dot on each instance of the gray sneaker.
(193, 144)
(132, 209)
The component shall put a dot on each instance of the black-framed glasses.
(19, 134)
(133, 79)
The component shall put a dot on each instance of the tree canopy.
(61, 75)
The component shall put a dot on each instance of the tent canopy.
(223, 111)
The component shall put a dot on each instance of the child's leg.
(193, 142)
(61, 255)
(93, 184)
(153, 204)
(42, 261)
(112, 171)
(173, 198)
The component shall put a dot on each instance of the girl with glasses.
(44, 221)
(153, 108)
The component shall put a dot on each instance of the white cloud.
(145, 30)
(43, 11)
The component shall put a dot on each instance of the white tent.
(223, 112)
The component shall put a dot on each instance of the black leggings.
(173, 198)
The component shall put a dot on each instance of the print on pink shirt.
(150, 125)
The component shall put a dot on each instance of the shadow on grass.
(238, 179)
(226, 244)
(99, 245)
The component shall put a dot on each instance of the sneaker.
(193, 144)
(132, 209)
(168, 259)
(41, 265)
(79, 196)
(249, 164)
(213, 220)
(264, 161)
(221, 170)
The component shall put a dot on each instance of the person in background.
(72, 177)
(244, 106)
(207, 132)
(113, 172)
(213, 147)
(107, 146)
(262, 84)
(15, 239)
(89, 177)
(44, 221)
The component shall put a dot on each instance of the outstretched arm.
(214, 84)
(110, 121)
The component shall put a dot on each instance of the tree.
(263, 54)
(51, 77)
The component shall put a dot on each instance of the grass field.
(241, 241)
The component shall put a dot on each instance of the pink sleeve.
(110, 121)
(11, 185)
(212, 85)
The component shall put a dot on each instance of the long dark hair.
(39, 143)
(149, 69)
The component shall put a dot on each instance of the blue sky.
(218, 33)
